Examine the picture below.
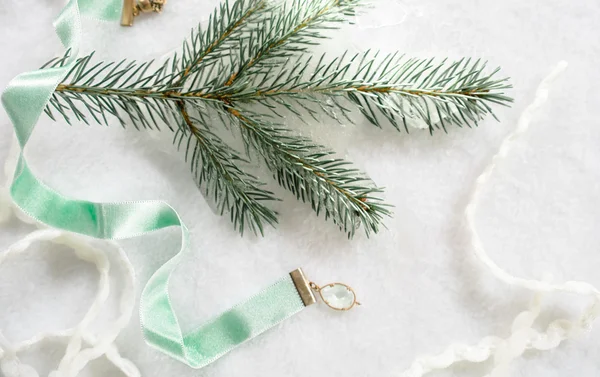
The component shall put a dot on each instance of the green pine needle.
(240, 71)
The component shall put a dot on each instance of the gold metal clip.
(303, 287)
(132, 8)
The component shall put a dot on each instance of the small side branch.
(310, 172)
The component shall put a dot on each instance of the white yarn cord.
(9, 167)
(523, 336)
(76, 355)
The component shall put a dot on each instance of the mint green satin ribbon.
(24, 100)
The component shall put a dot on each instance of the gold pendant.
(337, 296)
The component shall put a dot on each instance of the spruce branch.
(217, 170)
(223, 31)
(124, 90)
(238, 73)
(288, 29)
(390, 88)
(311, 173)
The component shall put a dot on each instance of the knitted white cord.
(523, 336)
(76, 357)
(4, 205)
(9, 167)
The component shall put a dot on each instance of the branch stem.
(257, 95)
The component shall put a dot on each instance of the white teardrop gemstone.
(338, 296)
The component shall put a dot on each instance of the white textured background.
(420, 286)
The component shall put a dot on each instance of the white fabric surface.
(419, 283)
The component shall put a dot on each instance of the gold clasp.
(132, 8)
(338, 296)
